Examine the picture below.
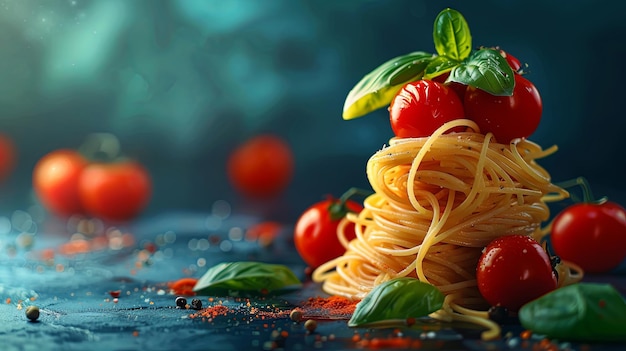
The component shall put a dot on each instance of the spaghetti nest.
(437, 202)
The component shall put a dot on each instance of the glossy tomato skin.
(421, 107)
(514, 270)
(55, 181)
(507, 117)
(261, 167)
(8, 156)
(591, 235)
(116, 191)
(457, 87)
(315, 234)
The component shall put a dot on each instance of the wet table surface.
(75, 287)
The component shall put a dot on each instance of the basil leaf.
(452, 35)
(378, 88)
(485, 69)
(245, 276)
(582, 311)
(399, 298)
(439, 66)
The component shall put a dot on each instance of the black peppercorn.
(196, 304)
(181, 302)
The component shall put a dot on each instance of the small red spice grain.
(115, 293)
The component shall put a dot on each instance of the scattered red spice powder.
(333, 307)
(315, 308)
(183, 286)
(211, 312)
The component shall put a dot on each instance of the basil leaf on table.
(578, 312)
(399, 298)
(246, 276)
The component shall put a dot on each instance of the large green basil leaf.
(582, 311)
(452, 35)
(378, 88)
(246, 276)
(486, 69)
(399, 298)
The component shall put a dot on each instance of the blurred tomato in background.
(93, 180)
(116, 191)
(261, 167)
(55, 180)
(8, 157)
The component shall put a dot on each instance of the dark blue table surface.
(78, 311)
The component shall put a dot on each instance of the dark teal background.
(182, 82)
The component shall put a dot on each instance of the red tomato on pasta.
(591, 235)
(514, 270)
(421, 107)
(315, 235)
(507, 117)
(261, 167)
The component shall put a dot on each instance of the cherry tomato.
(507, 117)
(514, 270)
(421, 107)
(591, 235)
(55, 179)
(457, 87)
(261, 167)
(116, 191)
(7, 156)
(315, 235)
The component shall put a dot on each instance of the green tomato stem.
(338, 209)
(352, 192)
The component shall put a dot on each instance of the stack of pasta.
(437, 202)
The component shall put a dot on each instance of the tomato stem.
(338, 209)
(352, 192)
(100, 147)
(588, 196)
